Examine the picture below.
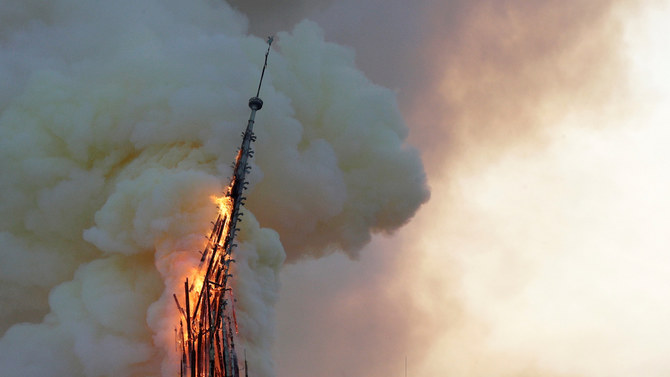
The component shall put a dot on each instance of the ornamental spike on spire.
(270, 40)
(207, 329)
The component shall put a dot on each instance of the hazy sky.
(541, 126)
(543, 249)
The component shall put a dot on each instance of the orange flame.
(225, 204)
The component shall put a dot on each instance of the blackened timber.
(211, 264)
(189, 334)
(246, 366)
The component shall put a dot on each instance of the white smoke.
(118, 124)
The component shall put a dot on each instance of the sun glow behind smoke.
(648, 41)
(563, 248)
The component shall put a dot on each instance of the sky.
(543, 249)
(540, 129)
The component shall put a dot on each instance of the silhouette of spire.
(208, 325)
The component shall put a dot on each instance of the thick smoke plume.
(118, 123)
(542, 251)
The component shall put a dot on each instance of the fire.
(208, 323)
(225, 204)
(208, 347)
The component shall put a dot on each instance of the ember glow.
(208, 318)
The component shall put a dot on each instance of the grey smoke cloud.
(117, 129)
(480, 82)
(476, 80)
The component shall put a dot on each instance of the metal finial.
(270, 40)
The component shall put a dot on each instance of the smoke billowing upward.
(119, 121)
(541, 252)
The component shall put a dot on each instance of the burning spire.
(208, 326)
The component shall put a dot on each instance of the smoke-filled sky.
(543, 248)
(539, 126)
